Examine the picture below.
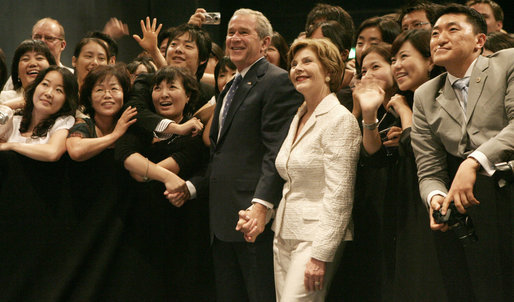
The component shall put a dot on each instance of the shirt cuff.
(192, 190)
(484, 162)
(270, 213)
(163, 124)
(432, 194)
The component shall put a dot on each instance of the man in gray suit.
(463, 125)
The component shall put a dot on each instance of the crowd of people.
(369, 163)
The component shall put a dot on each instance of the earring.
(327, 79)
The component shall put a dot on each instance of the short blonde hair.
(328, 55)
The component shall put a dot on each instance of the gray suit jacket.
(440, 127)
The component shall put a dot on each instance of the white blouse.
(62, 122)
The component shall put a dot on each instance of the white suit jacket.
(319, 170)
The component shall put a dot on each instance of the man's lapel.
(247, 83)
(449, 102)
(476, 84)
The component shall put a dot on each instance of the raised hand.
(198, 17)
(115, 28)
(370, 95)
(150, 32)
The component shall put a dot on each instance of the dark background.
(287, 17)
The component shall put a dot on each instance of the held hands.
(116, 29)
(198, 17)
(150, 33)
(194, 127)
(176, 190)
(252, 221)
(124, 122)
(314, 274)
(461, 190)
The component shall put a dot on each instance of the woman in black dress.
(167, 244)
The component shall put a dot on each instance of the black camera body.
(461, 224)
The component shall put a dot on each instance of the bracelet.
(371, 126)
(145, 178)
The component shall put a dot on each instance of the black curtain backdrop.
(78, 17)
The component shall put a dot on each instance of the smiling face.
(367, 37)
(91, 55)
(169, 99)
(50, 33)
(29, 66)
(454, 45)
(49, 95)
(410, 68)
(374, 66)
(183, 52)
(243, 43)
(107, 97)
(307, 74)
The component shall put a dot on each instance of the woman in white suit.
(318, 162)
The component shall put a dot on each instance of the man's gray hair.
(263, 26)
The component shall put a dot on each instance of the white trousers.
(290, 258)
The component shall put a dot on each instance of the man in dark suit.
(459, 133)
(250, 121)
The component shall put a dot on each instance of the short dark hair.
(68, 108)
(472, 16)
(142, 60)
(163, 35)
(222, 65)
(113, 45)
(191, 86)
(29, 45)
(280, 44)
(84, 41)
(217, 51)
(3, 69)
(498, 40)
(98, 74)
(202, 40)
(420, 40)
(335, 32)
(495, 7)
(430, 10)
(327, 12)
(388, 27)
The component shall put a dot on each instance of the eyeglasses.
(415, 25)
(46, 38)
(102, 92)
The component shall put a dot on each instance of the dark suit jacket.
(440, 127)
(242, 162)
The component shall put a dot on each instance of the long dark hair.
(98, 74)
(36, 46)
(68, 108)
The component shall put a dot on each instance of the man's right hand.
(435, 205)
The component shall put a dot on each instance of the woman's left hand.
(4, 146)
(393, 137)
(314, 274)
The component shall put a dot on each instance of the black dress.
(392, 256)
(165, 251)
